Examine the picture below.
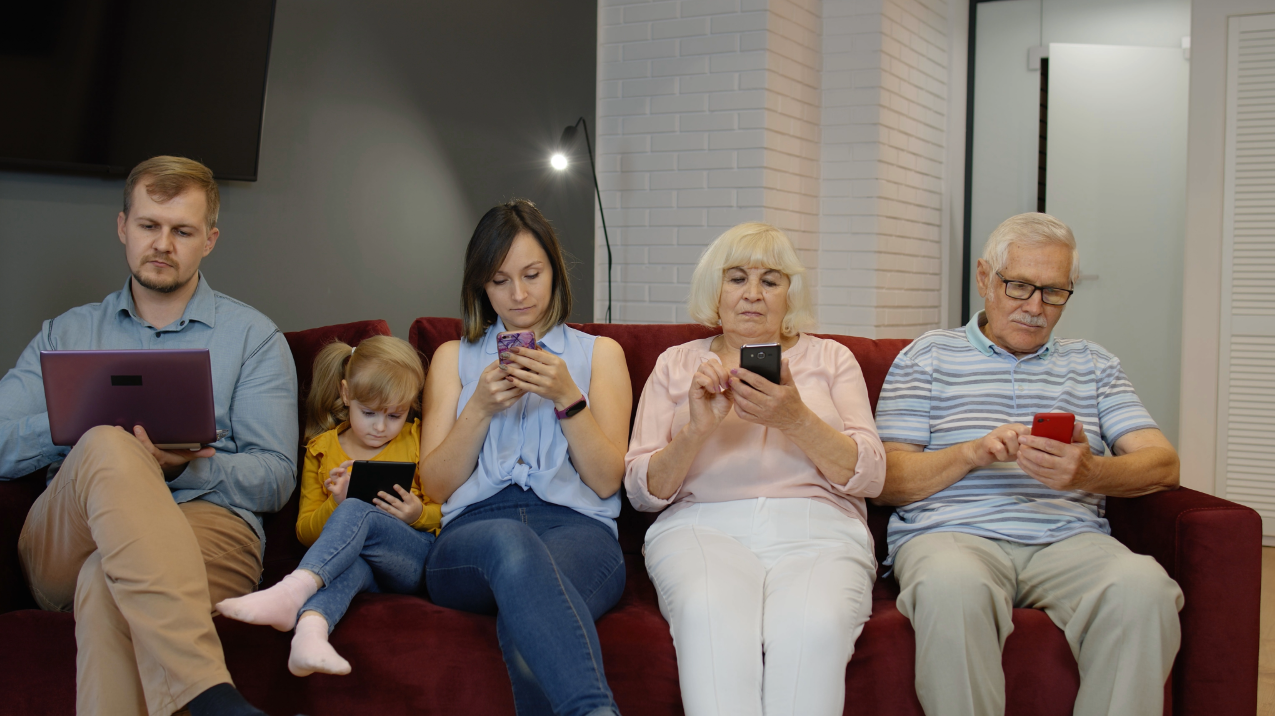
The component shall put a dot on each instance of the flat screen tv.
(95, 86)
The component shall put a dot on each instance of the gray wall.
(1007, 94)
(390, 127)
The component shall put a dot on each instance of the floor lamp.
(559, 161)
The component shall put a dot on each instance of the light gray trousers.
(1119, 611)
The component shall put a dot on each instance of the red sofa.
(410, 656)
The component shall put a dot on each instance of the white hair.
(1031, 229)
(751, 244)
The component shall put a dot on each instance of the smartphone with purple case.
(509, 339)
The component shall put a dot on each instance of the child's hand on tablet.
(405, 505)
(338, 481)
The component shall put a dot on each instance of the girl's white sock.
(276, 606)
(311, 651)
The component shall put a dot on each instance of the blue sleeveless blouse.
(525, 445)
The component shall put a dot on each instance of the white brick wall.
(884, 103)
(823, 118)
(913, 108)
(681, 138)
(791, 182)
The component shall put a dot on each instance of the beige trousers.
(141, 573)
(1118, 610)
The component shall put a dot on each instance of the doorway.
(1101, 144)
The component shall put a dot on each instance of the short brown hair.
(166, 177)
(487, 250)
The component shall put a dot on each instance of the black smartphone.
(762, 359)
(368, 477)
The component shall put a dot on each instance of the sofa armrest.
(16, 498)
(1213, 548)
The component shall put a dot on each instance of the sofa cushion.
(16, 498)
(411, 656)
(1041, 678)
(875, 356)
(37, 663)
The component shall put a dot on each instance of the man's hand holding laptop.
(172, 462)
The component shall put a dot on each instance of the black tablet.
(368, 477)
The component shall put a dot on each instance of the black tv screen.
(99, 85)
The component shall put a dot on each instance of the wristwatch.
(572, 409)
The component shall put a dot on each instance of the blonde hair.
(166, 177)
(382, 372)
(1031, 229)
(749, 245)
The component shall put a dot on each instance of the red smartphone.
(1055, 426)
(509, 339)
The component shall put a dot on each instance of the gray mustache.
(1029, 319)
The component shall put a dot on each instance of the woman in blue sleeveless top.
(527, 459)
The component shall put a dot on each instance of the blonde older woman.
(763, 546)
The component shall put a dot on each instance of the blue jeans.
(546, 572)
(363, 549)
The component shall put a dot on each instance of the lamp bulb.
(558, 161)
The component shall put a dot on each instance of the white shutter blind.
(1246, 388)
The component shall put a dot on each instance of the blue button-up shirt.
(525, 445)
(254, 394)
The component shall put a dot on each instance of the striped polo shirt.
(952, 386)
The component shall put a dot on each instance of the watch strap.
(572, 409)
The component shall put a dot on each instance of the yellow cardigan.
(324, 453)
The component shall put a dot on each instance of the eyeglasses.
(1022, 291)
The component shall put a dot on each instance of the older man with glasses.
(991, 517)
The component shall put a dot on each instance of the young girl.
(359, 406)
(528, 456)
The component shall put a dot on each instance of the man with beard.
(139, 541)
(991, 517)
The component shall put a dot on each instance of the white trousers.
(765, 599)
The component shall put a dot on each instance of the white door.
(1116, 174)
(1246, 383)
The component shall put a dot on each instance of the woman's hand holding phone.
(544, 374)
(405, 506)
(495, 392)
(774, 406)
(338, 482)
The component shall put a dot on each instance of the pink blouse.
(743, 460)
